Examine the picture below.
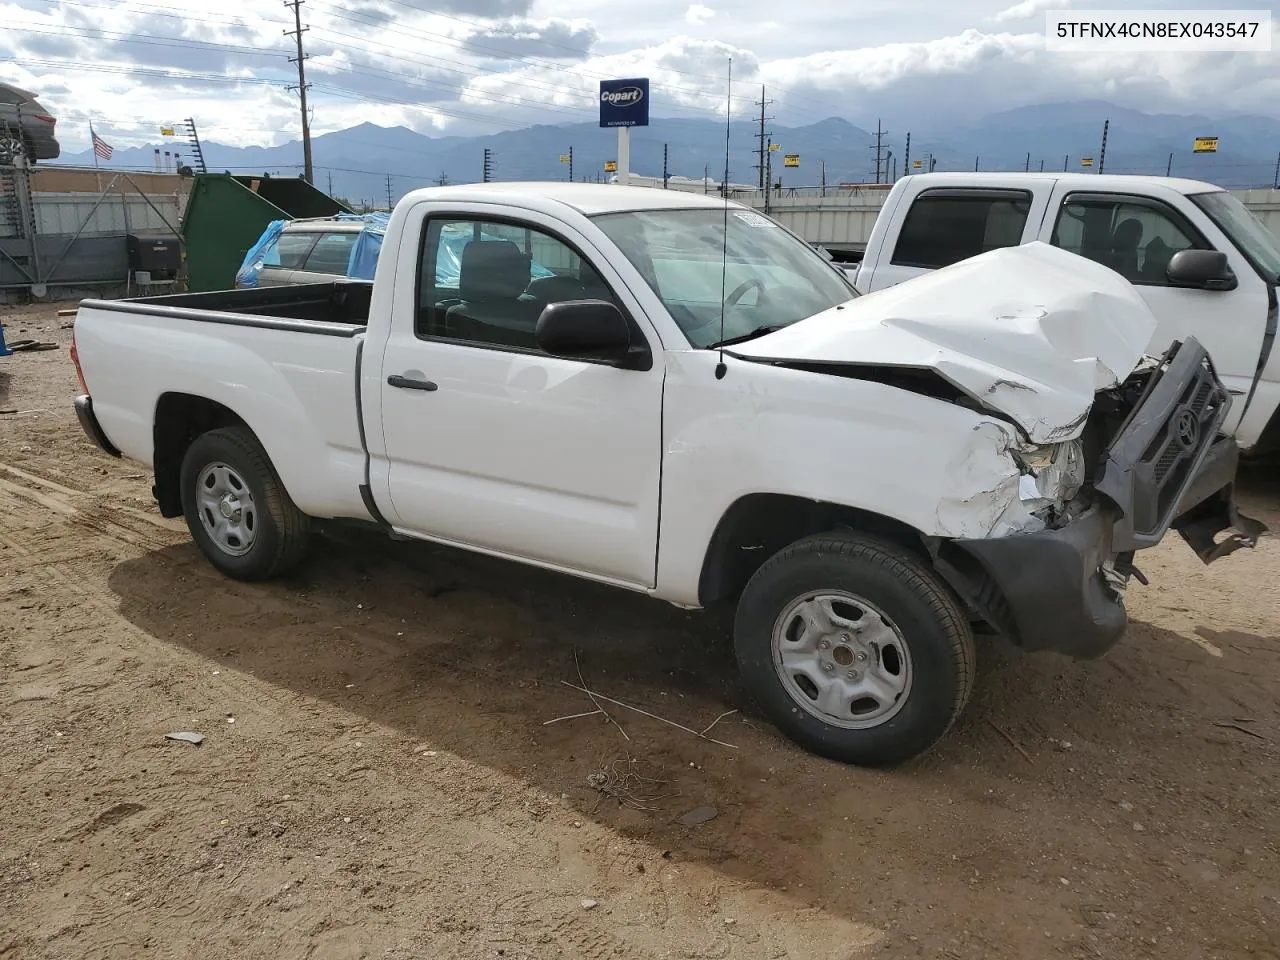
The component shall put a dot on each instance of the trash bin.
(226, 215)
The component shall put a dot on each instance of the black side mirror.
(1201, 269)
(585, 330)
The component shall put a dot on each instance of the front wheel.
(236, 508)
(854, 649)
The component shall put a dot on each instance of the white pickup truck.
(677, 396)
(1204, 264)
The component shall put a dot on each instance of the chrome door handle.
(408, 383)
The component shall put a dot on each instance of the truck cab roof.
(587, 198)
(1075, 181)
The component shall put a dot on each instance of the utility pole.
(487, 171)
(442, 180)
(762, 103)
(824, 178)
(1276, 183)
(1102, 156)
(975, 164)
(1065, 158)
(768, 170)
(1168, 167)
(331, 183)
(906, 157)
(571, 163)
(881, 166)
(390, 203)
(297, 32)
(1042, 164)
(665, 174)
(1027, 168)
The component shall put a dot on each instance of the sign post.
(624, 104)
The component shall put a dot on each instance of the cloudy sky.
(473, 66)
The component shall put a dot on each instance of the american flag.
(100, 147)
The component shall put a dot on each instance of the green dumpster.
(226, 214)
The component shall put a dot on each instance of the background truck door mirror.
(1203, 269)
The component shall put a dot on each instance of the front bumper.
(90, 425)
(1050, 589)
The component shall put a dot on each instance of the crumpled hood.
(1032, 332)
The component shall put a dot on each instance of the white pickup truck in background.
(1204, 264)
(676, 396)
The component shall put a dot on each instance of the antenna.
(721, 369)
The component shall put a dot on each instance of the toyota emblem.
(1187, 429)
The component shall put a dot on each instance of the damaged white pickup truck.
(657, 391)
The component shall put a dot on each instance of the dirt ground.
(378, 780)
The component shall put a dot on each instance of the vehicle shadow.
(472, 655)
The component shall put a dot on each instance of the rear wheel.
(854, 649)
(236, 508)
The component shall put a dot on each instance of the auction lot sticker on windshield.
(753, 219)
(1181, 31)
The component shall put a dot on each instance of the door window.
(944, 226)
(331, 254)
(1136, 240)
(487, 282)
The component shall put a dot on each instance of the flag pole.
(93, 145)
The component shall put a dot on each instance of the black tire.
(912, 600)
(281, 531)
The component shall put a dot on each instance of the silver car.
(26, 127)
(310, 251)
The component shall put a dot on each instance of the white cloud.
(1028, 9)
(698, 14)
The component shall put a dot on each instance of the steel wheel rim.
(226, 507)
(841, 659)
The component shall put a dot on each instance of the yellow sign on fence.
(564, 158)
(791, 160)
(166, 131)
(1086, 161)
(611, 166)
(775, 146)
(917, 164)
(1206, 145)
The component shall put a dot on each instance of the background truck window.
(290, 250)
(1136, 240)
(943, 228)
(331, 254)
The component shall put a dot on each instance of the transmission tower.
(879, 149)
(763, 147)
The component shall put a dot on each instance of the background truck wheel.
(854, 649)
(237, 509)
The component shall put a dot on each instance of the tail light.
(45, 117)
(75, 359)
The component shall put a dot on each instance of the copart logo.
(622, 97)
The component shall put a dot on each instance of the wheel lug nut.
(825, 644)
(844, 638)
(862, 655)
(828, 666)
(852, 675)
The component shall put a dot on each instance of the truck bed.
(343, 302)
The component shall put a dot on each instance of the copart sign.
(624, 103)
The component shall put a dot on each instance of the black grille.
(1150, 463)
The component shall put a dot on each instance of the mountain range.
(355, 163)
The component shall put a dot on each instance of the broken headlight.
(1053, 471)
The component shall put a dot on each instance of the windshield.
(770, 279)
(1256, 242)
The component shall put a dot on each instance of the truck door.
(945, 224)
(492, 443)
(1136, 235)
